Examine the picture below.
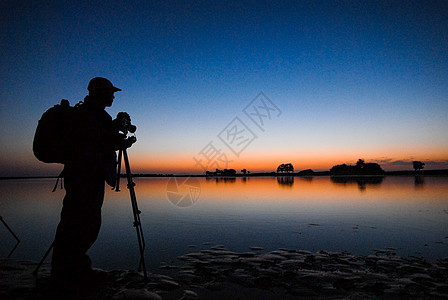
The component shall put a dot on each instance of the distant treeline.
(361, 168)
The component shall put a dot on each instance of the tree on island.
(218, 172)
(418, 165)
(360, 163)
(361, 168)
(244, 171)
(285, 168)
(229, 172)
(306, 172)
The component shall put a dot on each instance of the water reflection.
(362, 181)
(222, 179)
(419, 182)
(354, 214)
(285, 181)
(307, 178)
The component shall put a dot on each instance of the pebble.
(272, 257)
(166, 284)
(217, 247)
(189, 295)
(220, 252)
(167, 267)
(256, 248)
(289, 263)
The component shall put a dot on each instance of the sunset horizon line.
(184, 165)
(317, 172)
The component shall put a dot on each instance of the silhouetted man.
(91, 163)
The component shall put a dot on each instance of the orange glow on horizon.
(260, 162)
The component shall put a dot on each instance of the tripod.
(13, 234)
(136, 212)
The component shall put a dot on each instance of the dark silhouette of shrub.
(225, 172)
(306, 172)
(285, 168)
(418, 165)
(361, 168)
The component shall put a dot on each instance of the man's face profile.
(109, 98)
(106, 97)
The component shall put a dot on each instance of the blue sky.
(353, 79)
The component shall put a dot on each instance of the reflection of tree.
(307, 179)
(362, 181)
(285, 168)
(419, 182)
(286, 181)
(222, 179)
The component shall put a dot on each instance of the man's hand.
(127, 143)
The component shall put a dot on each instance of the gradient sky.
(350, 79)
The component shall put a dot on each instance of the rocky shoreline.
(219, 273)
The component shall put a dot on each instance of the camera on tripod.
(124, 125)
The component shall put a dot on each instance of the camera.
(123, 123)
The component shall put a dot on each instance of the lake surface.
(185, 215)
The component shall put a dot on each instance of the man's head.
(102, 90)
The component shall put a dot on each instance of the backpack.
(52, 141)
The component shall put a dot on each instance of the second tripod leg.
(136, 213)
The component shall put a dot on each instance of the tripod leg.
(13, 234)
(136, 213)
(9, 229)
(13, 249)
(43, 258)
(117, 185)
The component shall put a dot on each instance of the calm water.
(320, 213)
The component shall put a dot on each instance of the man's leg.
(79, 226)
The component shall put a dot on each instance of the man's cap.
(100, 83)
